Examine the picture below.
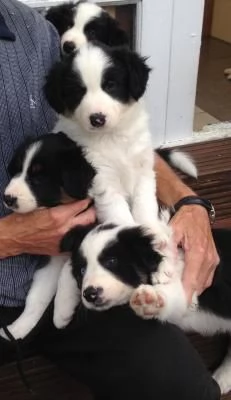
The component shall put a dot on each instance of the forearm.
(9, 245)
(40, 232)
(170, 187)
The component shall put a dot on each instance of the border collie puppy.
(81, 22)
(99, 94)
(45, 172)
(114, 265)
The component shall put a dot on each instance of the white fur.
(42, 291)
(85, 12)
(121, 151)
(183, 162)
(115, 292)
(223, 374)
(19, 188)
(67, 297)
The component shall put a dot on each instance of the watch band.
(195, 200)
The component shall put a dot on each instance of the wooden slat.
(213, 160)
(214, 182)
(46, 381)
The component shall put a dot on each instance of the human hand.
(40, 232)
(191, 231)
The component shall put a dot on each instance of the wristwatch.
(195, 200)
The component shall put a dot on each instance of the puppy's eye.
(111, 262)
(92, 34)
(109, 85)
(36, 168)
(82, 271)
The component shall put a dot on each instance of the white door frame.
(169, 33)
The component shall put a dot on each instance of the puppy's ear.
(137, 71)
(73, 239)
(77, 173)
(55, 86)
(16, 163)
(61, 17)
(140, 246)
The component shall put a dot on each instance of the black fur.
(130, 256)
(102, 28)
(217, 298)
(71, 243)
(165, 154)
(135, 71)
(125, 79)
(73, 239)
(64, 88)
(106, 227)
(62, 17)
(58, 165)
(105, 29)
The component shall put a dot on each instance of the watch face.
(212, 213)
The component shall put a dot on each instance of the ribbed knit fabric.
(29, 45)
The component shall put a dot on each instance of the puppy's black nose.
(10, 201)
(97, 120)
(68, 47)
(92, 294)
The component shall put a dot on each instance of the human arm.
(191, 229)
(40, 232)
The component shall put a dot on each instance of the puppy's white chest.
(119, 168)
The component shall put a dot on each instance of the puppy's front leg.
(41, 293)
(145, 209)
(67, 297)
(110, 201)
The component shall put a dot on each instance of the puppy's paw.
(146, 302)
(223, 377)
(162, 235)
(18, 329)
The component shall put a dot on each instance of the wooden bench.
(214, 182)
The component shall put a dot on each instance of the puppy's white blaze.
(183, 162)
(91, 63)
(115, 292)
(19, 188)
(85, 13)
(95, 242)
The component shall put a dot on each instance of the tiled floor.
(213, 99)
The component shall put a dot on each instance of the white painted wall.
(187, 20)
(169, 32)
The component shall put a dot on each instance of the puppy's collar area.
(5, 33)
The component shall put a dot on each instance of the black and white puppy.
(114, 265)
(45, 172)
(98, 93)
(80, 22)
